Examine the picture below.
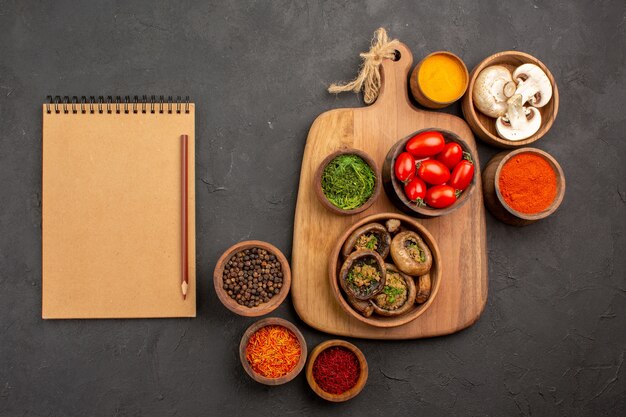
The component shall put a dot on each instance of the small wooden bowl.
(422, 98)
(336, 260)
(261, 309)
(318, 182)
(395, 189)
(270, 321)
(352, 392)
(496, 203)
(484, 126)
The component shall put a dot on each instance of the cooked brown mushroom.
(372, 236)
(423, 289)
(397, 296)
(393, 225)
(410, 254)
(363, 274)
(362, 306)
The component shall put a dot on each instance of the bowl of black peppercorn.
(252, 278)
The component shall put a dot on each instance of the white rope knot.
(368, 79)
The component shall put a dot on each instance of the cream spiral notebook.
(112, 208)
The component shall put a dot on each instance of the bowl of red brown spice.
(272, 351)
(523, 186)
(337, 370)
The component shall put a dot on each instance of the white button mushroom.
(492, 87)
(520, 122)
(533, 84)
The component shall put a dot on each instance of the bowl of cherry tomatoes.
(430, 173)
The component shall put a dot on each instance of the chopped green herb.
(348, 182)
(392, 293)
(366, 241)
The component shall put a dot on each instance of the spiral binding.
(109, 104)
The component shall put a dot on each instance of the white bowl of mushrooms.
(512, 99)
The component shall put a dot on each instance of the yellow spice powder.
(442, 78)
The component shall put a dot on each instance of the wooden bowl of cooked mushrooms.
(385, 270)
(512, 100)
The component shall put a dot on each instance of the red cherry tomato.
(415, 191)
(451, 155)
(462, 175)
(440, 196)
(425, 144)
(405, 167)
(433, 172)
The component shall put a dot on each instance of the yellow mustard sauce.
(442, 78)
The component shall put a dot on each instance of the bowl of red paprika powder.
(523, 186)
(337, 370)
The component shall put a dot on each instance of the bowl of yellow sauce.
(439, 80)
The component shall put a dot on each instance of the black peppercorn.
(252, 276)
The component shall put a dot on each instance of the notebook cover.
(111, 215)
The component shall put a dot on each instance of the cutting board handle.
(394, 75)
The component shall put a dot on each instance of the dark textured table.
(552, 339)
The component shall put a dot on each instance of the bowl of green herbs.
(347, 181)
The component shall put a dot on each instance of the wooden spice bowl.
(496, 204)
(352, 392)
(335, 261)
(416, 89)
(263, 308)
(318, 182)
(484, 126)
(272, 321)
(395, 189)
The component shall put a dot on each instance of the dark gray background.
(551, 341)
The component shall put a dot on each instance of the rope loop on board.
(368, 78)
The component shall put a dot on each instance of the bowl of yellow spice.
(439, 80)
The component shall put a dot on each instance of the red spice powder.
(527, 183)
(336, 370)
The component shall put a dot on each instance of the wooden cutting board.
(460, 235)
